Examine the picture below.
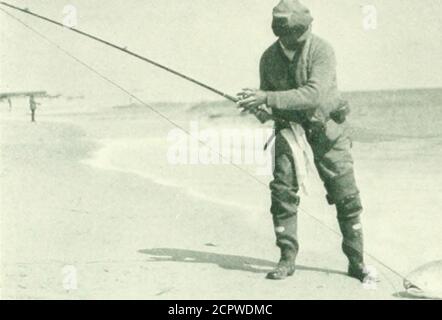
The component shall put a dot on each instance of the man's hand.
(262, 113)
(251, 99)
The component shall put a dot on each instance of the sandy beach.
(91, 197)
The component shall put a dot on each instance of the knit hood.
(290, 16)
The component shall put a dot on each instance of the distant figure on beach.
(10, 104)
(33, 106)
(299, 92)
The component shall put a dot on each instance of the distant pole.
(10, 104)
(33, 106)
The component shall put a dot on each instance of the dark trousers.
(331, 147)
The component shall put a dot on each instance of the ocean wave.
(106, 158)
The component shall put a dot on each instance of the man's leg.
(284, 209)
(349, 210)
(332, 149)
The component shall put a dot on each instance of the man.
(33, 106)
(299, 87)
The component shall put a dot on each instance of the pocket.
(323, 137)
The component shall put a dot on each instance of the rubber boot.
(349, 212)
(286, 265)
(353, 246)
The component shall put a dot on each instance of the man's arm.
(264, 82)
(310, 96)
(261, 111)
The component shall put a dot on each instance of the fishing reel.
(340, 115)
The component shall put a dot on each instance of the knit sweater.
(304, 89)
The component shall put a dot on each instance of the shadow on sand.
(229, 262)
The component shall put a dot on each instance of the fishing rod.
(125, 50)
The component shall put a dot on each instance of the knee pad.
(284, 205)
(350, 207)
(340, 188)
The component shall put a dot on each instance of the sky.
(216, 41)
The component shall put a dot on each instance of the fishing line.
(125, 50)
(163, 116)
(173, 123)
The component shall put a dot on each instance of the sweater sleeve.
(264, 82)
(309, 96)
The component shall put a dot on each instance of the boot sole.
(290, 274)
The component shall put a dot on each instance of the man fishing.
(299, 92)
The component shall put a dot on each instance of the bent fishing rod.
(125, 50)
